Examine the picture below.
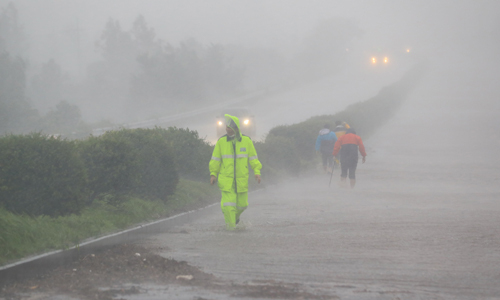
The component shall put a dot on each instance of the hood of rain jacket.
(233, 123)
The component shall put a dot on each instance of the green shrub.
(191, 153)
(157, 171)
(279, 156)
(111, 164)
(40, 175)
(302, 134)
(130, 161)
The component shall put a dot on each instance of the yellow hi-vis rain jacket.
(231, 157)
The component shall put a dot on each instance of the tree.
(144, 77)
(115, 44)
(66, 119)
(180, 78)
(16, 115)
(48, 86)
(143, 37)
(12, 36)
(108, 80)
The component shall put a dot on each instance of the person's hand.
(257, 177)
(364, 159)
(212, 179)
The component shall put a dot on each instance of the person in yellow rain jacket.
(232, 154)
(340, 128)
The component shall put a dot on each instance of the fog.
(262, 44)
(431, 25)
(424, 213)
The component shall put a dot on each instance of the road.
(422, 223)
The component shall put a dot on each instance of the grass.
(22, 236)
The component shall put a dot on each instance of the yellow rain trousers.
(232, 205)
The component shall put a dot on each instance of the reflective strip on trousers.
(229, 204)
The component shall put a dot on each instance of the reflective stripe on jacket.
(230, 160)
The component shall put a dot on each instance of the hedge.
(111, 164)
(41, 175)
(191, 152)
(157, 175)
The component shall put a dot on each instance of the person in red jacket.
(348, 146)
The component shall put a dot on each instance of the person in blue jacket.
(324, 144)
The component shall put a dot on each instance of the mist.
(422, 220)
(109, 60)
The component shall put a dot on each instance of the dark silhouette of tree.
(115, 44)
(65, 119)
(184, 77)
(144, 37)
(141, 76)
(12, 36)
(16, 115)
(108, 80)
(50, 85)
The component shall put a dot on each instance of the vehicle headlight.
(374, 60)
(220, 123)
(386, 60)
(246, 122)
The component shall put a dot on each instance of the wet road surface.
(422, 223)
(396, 235)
